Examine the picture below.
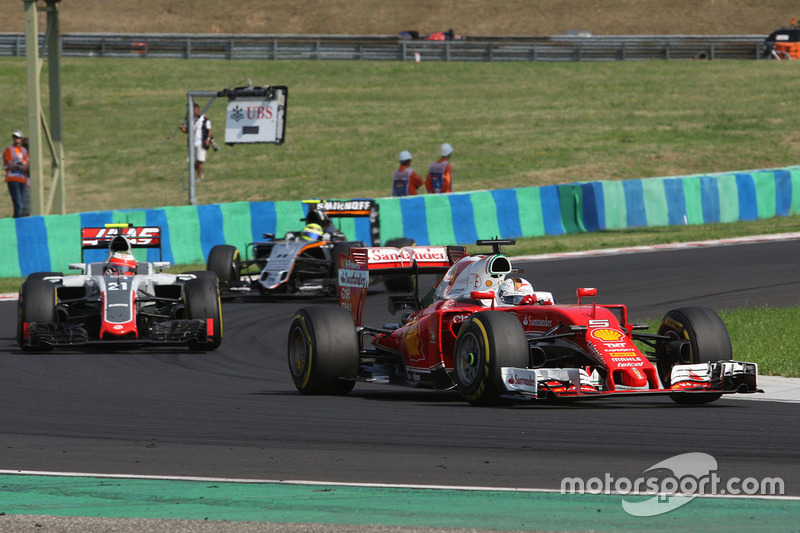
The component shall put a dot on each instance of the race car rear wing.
(359, 208)
(120, 237)
(354, 269)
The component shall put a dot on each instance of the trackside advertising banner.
(50, 243)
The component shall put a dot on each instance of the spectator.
(26, 204)
(202, 139)
(15, 163)
(405, 181)
(440, 173)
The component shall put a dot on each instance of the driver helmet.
(121, 264)
(513, 290)
(312, 232)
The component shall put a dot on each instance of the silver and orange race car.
(296, 264)
(119, 301)
(489, 334)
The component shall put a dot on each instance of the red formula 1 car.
(496, 340)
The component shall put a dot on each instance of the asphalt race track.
(234, 413)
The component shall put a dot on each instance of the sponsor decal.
(623, 355)
(405, 255)
(345, 205)
(607, 334)
(139, 236)
(353, 278)
(520, 380)
(542, 322)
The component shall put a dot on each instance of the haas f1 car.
(495, 339)
(303, 262)
(119, 301)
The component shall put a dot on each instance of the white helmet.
(18, 134)
(513, 290)
(405, 155)
(445, 150)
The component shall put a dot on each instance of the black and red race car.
(491, 336)
(119, 301)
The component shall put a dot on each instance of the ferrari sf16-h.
(119, 301)
(496, 340)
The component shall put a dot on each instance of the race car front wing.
(543, 383)
(62, 334)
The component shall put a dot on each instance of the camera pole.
(190, 122)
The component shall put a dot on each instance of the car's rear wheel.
(708, 342)
(323, 349)
(201, 299)
(400, 283)
(224, 261)
(488, 341)
(37, 303)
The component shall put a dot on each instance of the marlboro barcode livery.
(491, 335)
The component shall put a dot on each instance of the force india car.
(98, 306)
(461, 335)
(295, 265)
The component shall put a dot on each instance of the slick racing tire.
(42, 275)
(399, 283)
(322, 349)
(708, 339)
(201, 298)
(223, 260)
(488, 341)
(37, 303)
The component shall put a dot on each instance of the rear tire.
(201, 298)
(488, 341)
(323, 348)
(709, 341)
(37, 303)
(224, 261)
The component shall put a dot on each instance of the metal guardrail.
(391, 48)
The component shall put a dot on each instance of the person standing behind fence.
(202, 139)
(16, 165)
(440, 173)
(405, 181)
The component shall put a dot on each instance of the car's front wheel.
(488, 341)
(708, 342)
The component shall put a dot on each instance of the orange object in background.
(783, 43)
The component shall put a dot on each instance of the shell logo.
(607, 335)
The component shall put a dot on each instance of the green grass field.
(511, 124)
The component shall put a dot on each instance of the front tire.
(37, 303)
(224, 261)
(322, 349)
(201, 298)
(488, 341)
(708, 340)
